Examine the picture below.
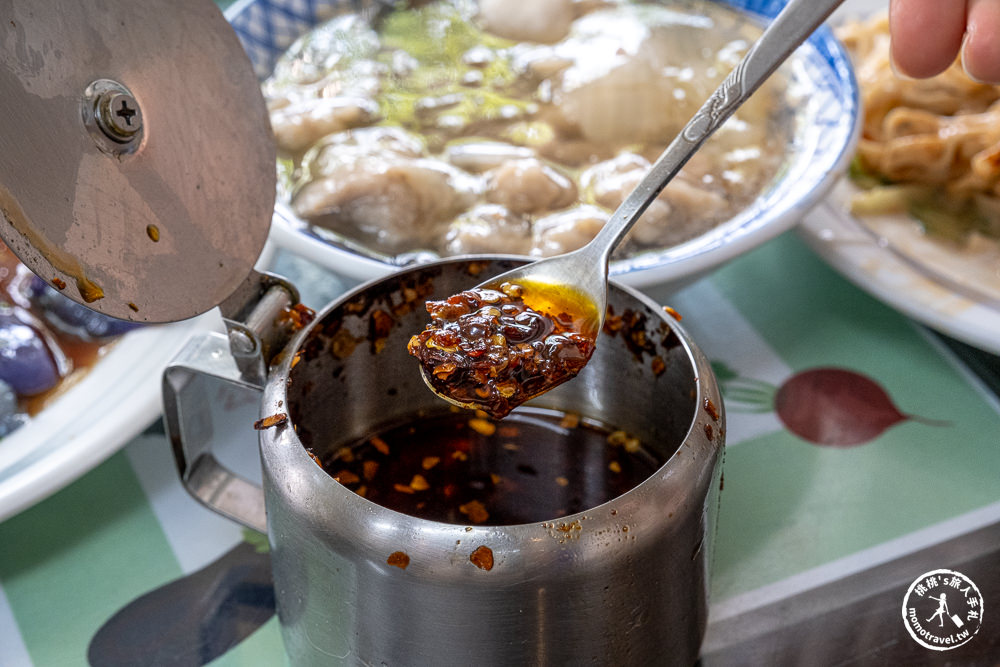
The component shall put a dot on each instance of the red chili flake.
(482, 558)
(482, 426)
(298, 316)
(59, 283)
(346, 477)
(381, 324)
(398, 559)
(379, 444)
(475, 510)
(613, 324)
(710, 408)
(658, 366)
(709, 432)
(475, 268)
(269, 422)
(357, 306)
(672, 313)
(342, 344)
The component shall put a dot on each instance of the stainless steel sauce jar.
(624, 583)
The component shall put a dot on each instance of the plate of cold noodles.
(459, 127)
(917, 220)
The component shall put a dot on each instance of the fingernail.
(968, 73)
(961, 58)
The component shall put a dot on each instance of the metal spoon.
(584, 272)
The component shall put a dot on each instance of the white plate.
(115, 401)
(952, 291)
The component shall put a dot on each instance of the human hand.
(926, 35)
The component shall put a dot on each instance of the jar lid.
(137, 162)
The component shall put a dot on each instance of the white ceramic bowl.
(824, 132)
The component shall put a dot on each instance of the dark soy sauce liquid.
(535, 465)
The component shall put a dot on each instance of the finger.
(926, 35)
(981, 50)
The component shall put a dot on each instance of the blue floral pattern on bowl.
(268, 27)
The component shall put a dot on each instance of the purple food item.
(28, 362)
(70, 317)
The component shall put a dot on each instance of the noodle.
(929, 147)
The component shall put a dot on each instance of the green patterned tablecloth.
(794, 513)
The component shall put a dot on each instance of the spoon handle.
(790, 28)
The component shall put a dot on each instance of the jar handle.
(201, 372)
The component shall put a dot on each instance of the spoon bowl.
(573, 283)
